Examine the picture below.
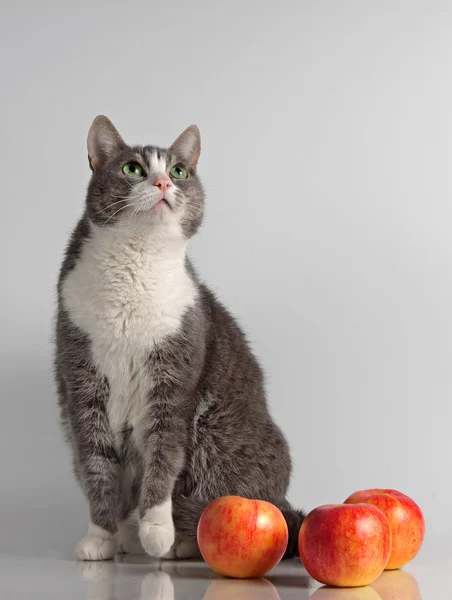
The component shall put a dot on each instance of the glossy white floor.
(139, 578)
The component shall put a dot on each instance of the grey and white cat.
(161, 399)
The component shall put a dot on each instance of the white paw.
(95, 548)
(187, 549)
(157, 538)
(157, 530)
(182, 550)
(157, 586)
(127, 540)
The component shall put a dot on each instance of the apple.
(405, 519)
(345, 545)
(242, 538)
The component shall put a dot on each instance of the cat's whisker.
(118, 211)
(134, 213)
(99, 212)
(130, 219)
(123, 197)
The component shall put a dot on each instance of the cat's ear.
(188, 145)
(103, 141)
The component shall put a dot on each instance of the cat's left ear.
(103, 141)
(188, 145)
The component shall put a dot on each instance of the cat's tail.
(294, 519)
(187, 512)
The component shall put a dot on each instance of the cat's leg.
(97, 463)
(163, 439)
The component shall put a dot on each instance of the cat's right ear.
(103, 141)
(188, 145)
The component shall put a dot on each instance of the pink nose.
(163, 182)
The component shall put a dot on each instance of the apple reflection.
(391, 585)
(397, 584)
(241, 589)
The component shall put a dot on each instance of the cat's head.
(147, 185)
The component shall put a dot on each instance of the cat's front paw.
(93, 547)
(157, 537)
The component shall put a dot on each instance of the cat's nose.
(163, 182)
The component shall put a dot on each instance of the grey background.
(326, 157)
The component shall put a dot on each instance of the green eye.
(132, 170)
(178, 172)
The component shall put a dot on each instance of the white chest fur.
(128, 291)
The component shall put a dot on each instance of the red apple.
(345, 545)
(405, 519)
(242, 538)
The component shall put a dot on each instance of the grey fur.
(208, 429)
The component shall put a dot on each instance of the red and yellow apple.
(345, 545)
(242, 538)
(405, 519)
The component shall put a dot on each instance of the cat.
(161, 399)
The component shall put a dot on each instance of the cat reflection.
(112, 581)
(108, 581)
